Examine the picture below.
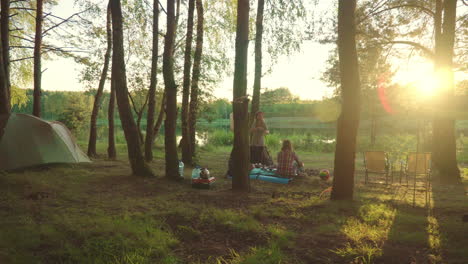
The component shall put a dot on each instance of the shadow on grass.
(407, 240)
(450, 240)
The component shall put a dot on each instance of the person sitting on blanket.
(288, 161)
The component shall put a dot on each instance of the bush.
(220, 138)
(76, 114)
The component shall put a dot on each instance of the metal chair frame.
(427, 172)
(388, 170)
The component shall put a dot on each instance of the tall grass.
(303, 142)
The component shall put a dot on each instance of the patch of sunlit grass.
(234, 220)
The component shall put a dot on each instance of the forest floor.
(99, 213)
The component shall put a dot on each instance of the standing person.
(257, 143)
(288, 161)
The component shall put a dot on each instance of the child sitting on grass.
(288, 162)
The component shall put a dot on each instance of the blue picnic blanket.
(267, 175)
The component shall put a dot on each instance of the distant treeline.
(54, 103)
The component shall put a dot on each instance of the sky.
(300, 71)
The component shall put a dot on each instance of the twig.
(63, 21)
(27, 58)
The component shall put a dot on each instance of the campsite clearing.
(99, 213)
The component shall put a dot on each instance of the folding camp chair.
(419, 164)
(376, 162)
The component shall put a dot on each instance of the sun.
(427, 86)
(425, 81)
(433, 84)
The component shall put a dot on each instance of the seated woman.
(288, 162)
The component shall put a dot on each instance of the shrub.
(76, 113)
(220, 138)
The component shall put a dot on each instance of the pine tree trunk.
(111, 151)
(4, 98)
(241, 153)
(177, 17)
(194, 91)
(160, 120)
(4, 31)
(135, 155)
(37, 60)
(186, 153)
(153, 83)
(139, 114)
(98, 98)
(170, 144)
(258, 61)
(444, 147)
(348, 122)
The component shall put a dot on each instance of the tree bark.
(172, 167)
(348, 122)
(139, 114)
(4, 97)
(194, 91)
(5, 32)
(37, 60)
(258, 61)
(160, 120)
(153, 83)
(186, 152)
(135, 155)
(177, 17)
(98, 98)
(111, 151)
(241, 153)
(444, 147)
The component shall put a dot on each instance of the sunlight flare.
(426, 81)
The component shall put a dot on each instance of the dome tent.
(29, 141)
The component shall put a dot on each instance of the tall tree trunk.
(186, 153)
(241, 153)
(98, 97)
(4, 98)
(37, 60)
(111, 152)
(258, 60)
(177, 17)
(5, 32)
(444, 148)
(160, 120)
(139, 114)
(193, 112)
(140, 133)
(135, 155)
(153, 83)
(170, 144)
(348, 122)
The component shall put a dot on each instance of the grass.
(99, 213)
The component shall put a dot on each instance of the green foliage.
(220, 138)
(280, 95)
(304, 142)
(211, 110)
(18, 97)
(76, 113)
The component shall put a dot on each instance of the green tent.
(29, 141)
